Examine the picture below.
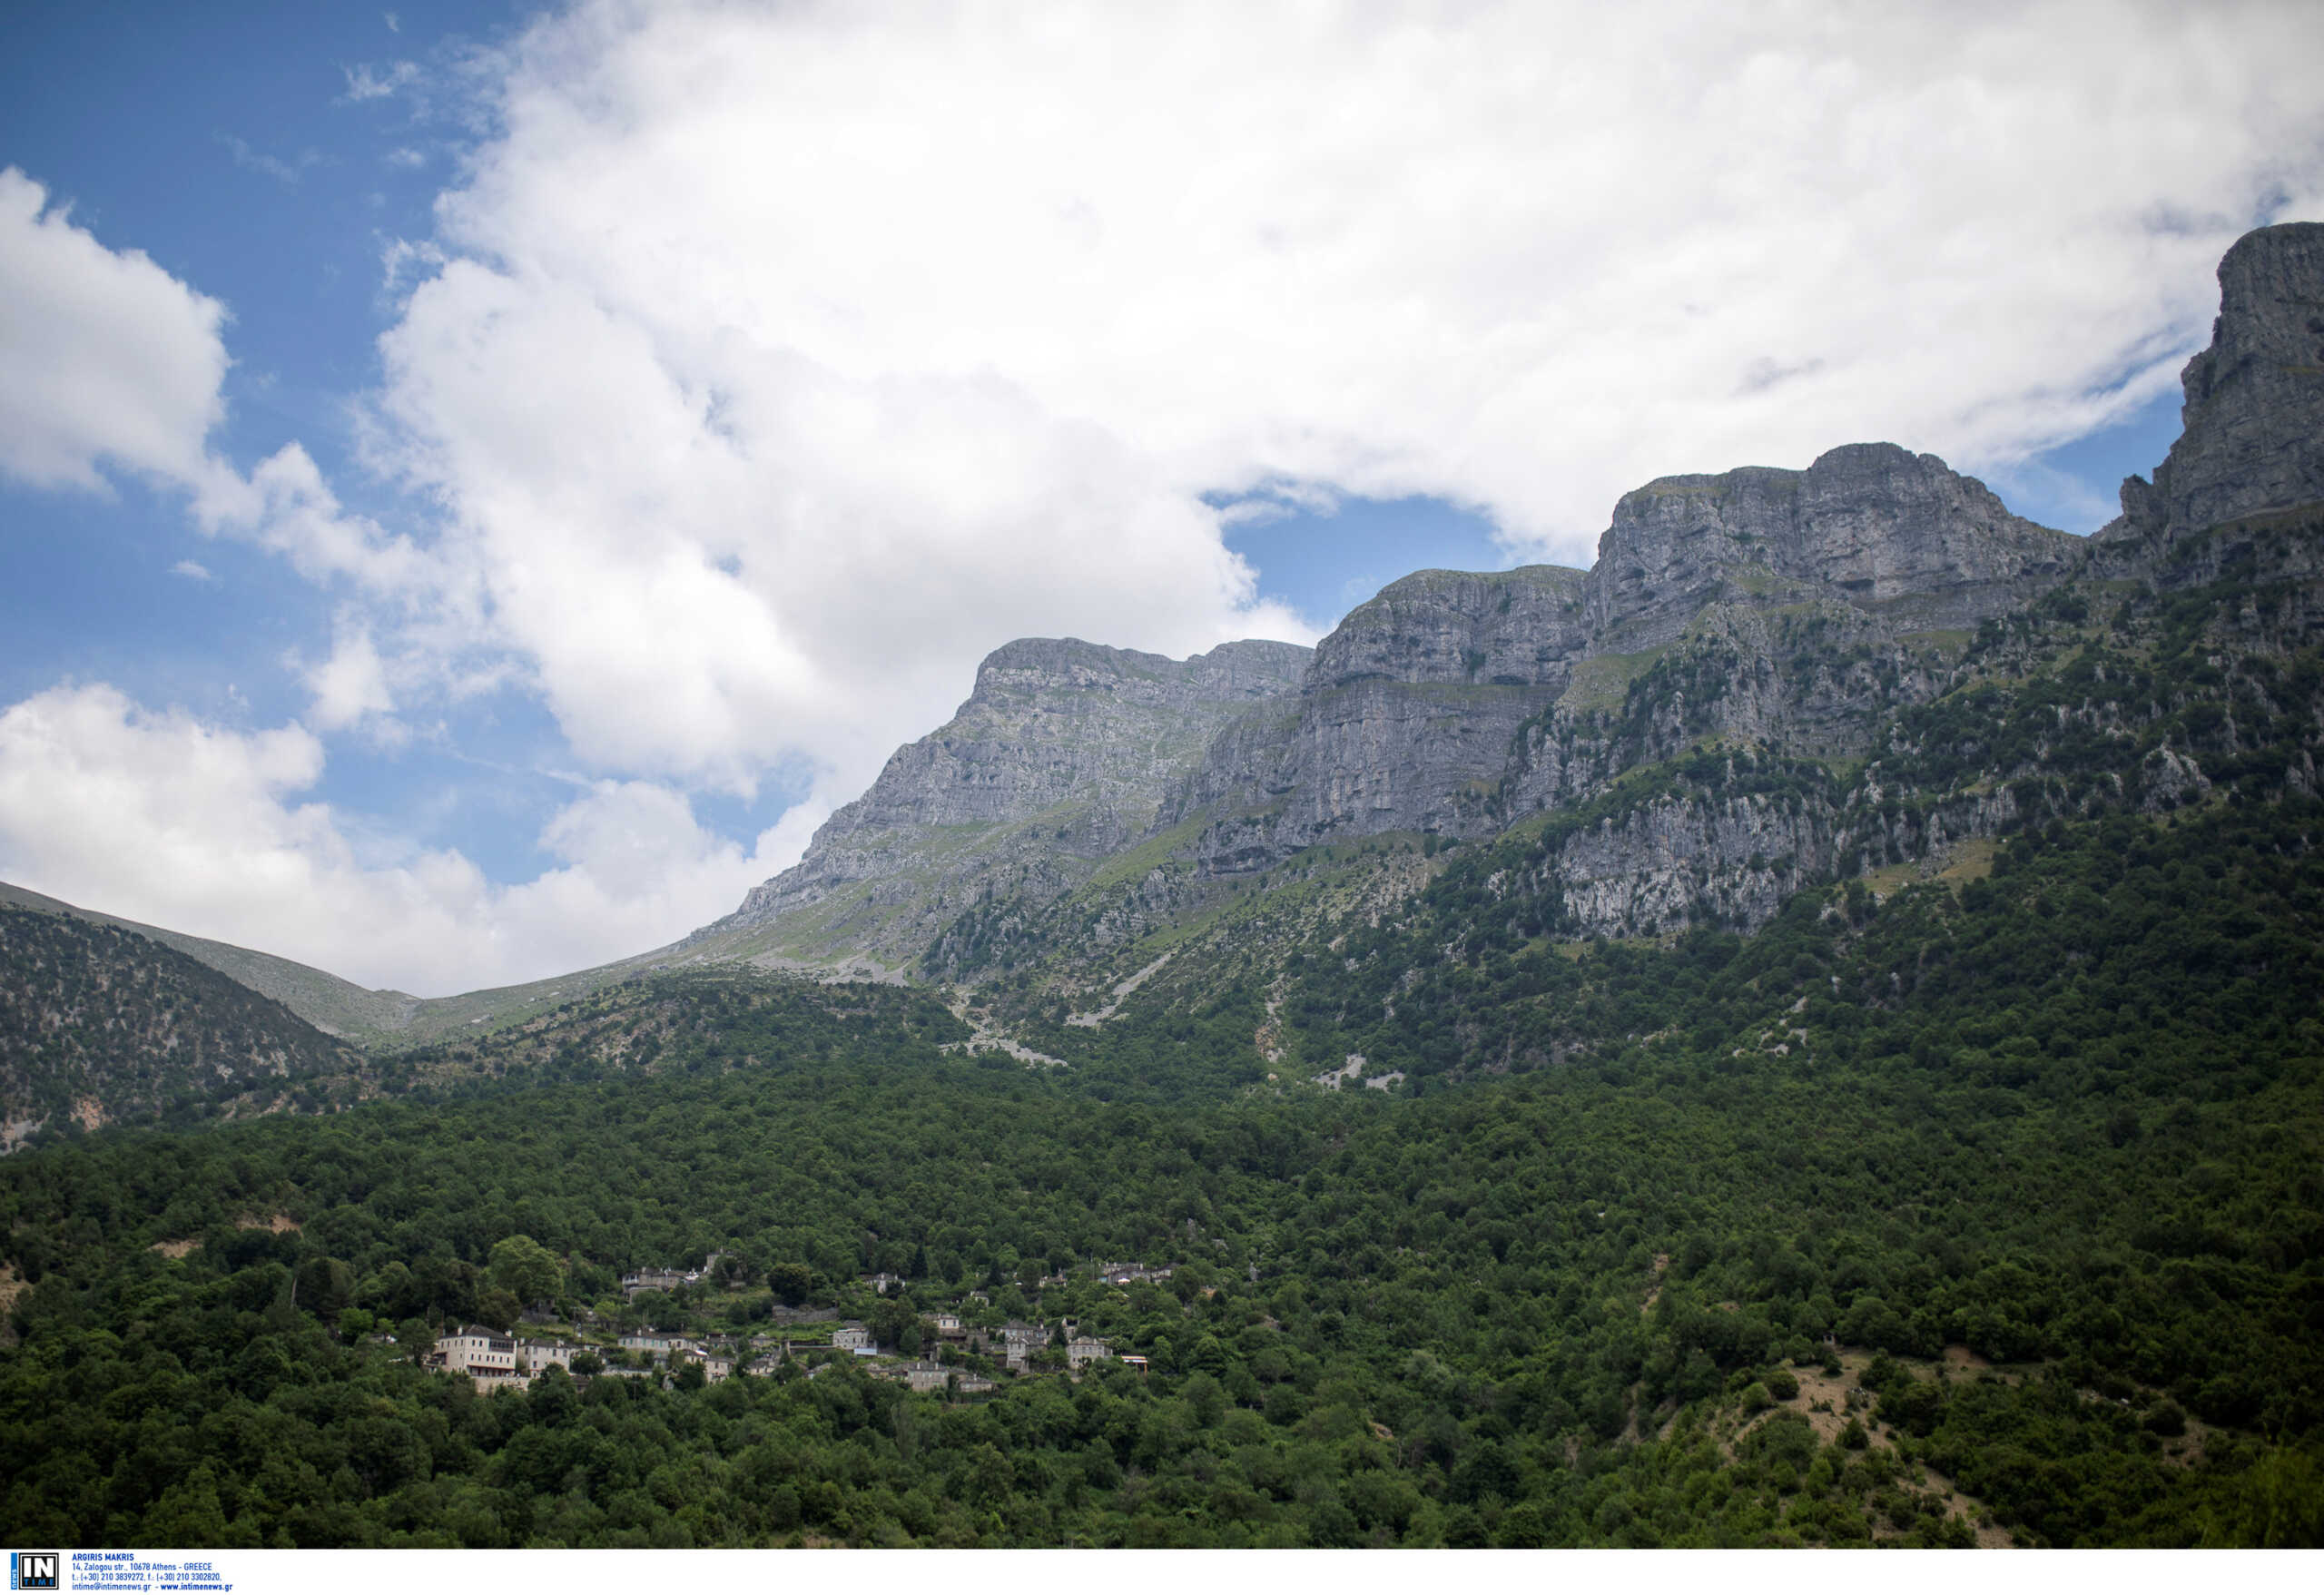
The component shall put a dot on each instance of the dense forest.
(1985, 1209)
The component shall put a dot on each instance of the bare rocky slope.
(1060, 758)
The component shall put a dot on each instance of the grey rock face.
(1896, 533)
(2253, 437)
(1051, 720)
(1788, 612)
(1408, 706)
(1061, 755)
(1453, 701)
(1674, 862)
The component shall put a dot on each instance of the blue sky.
(683, 423)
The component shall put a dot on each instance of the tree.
(497, 1309)
(326, 1285)
(526, 1269)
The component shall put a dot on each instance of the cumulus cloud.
(781, 361)
(1518, 255)
(109, 362)
(157, 816)
(350, 685)
(105, 357)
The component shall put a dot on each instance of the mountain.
(339, 1008)
(1060, 759)
(390, 1020)
(98, 1023)
(1736, 701)
(1750, 691)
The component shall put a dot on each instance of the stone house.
(485, 1356)
(660, 1279)
(1133, 1274)
(851, 1337)
(534, 1356)
(1020, 1341)
(474, 1350)
(1086, 1348)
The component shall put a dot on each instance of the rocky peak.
(1509, 627)
(1061, 753)
(2253, 419)
(1059, 669)
(1056, 718)
(1884, 529)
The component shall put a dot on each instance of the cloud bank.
(159, 817)
(105, 357)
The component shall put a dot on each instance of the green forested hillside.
(98, 1023)
(2065, 1120)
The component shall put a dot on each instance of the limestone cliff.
(1453, 702)
(2250, 456)
(1061, 756)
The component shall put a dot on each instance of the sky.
(479, 484)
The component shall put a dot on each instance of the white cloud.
(783, 360)
(1523, 256)
(158, 817)
(192, 570)
(105, 357)
(351, 685)
(109, 362)
(285, 506)
(366, 82)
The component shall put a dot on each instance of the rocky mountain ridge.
(1787, 619)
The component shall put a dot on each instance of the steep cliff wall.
(1898, 534)
(1454, 703)
(1061, 756)
(2250, 457)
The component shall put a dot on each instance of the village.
(964, 1348)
